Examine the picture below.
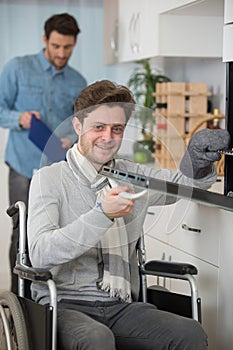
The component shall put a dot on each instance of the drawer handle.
(188, 228)
(150, 213)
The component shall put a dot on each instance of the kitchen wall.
(21, 28)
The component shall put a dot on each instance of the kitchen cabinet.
(206, 243)
(194, 30)
(111, 31)
(225, 304)
(228, 31)
(228, 11)
(138, 28)
(194, 233)
(135, 30)
(227, 43)
(190, 36)
(154, 223)
(208, 277)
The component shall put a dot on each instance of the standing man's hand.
(26, 117)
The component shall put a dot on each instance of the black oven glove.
(202, 152)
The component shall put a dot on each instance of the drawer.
(195, 229)
(154, 223)
(207, 281)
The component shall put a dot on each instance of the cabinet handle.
(134, 31)
(137, 33)
(114, 39)
(131, 31)
(193, 229)
(150, 213)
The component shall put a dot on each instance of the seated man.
(86, 233)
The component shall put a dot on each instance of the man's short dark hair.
(62, 23)
(104, 92)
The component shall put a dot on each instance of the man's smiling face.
(101, 133)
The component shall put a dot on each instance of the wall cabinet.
(228, 11)
(127, 30)
(228, 31)
(134, 30)
(138, 28)
(200, 235)
(190, 36)
(110, 54)
(227, 43)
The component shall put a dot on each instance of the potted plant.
(143, 82)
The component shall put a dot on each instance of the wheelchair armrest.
(32, 274)
(161, 266)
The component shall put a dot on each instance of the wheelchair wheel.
(13, 330)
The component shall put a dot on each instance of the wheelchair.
(26, 325)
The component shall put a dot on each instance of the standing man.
(86, 232)
(46, 86)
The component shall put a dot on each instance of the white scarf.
(114, 250)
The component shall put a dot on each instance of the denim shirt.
(31, 83)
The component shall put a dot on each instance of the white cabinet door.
(228, 11)
(225, 303)
(227, 43)
(207, 280)
(187, 226)
(130, 27)
(228, 31)
(210, 250)
(155, 225)
(138, 29)
(111, 39)
(135, 29)
(195, 229)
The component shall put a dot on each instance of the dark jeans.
(18, 191)
(137, 326)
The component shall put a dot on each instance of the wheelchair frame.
(25, 272)
(181, 271)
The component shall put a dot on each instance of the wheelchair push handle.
(19, 208)
(12, 210)
(15, 208)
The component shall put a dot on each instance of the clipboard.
(46, 140)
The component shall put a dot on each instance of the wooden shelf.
(181, 107)
(185, 93)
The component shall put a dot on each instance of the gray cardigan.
(65, 226)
